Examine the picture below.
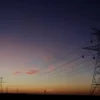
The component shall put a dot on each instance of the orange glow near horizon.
(49, 89)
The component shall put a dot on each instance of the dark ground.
(46, 96)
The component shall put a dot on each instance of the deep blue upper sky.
(63, 22)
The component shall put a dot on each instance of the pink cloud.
(51, 68)
(47, 58)
(30, 72)
(16, 73)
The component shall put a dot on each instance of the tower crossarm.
(93, 48)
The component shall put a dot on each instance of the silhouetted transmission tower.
(1, 82)
(95, 87)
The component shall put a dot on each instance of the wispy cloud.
(17, 73)
(34, 71)
(29, 72)
(51, 68)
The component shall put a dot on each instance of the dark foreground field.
(40, 96)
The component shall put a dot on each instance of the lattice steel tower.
(1, 87)
(95, 86)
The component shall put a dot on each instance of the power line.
(57, 60)
(70, 53)
(77, 66)
(76, 73)
(61, 65)
(51, 64)
(67, 63)
(72, 73)
(66, 69)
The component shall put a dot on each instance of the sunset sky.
(38, 38)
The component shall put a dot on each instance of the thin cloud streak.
(31, 72)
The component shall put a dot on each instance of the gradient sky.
(36, 37)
